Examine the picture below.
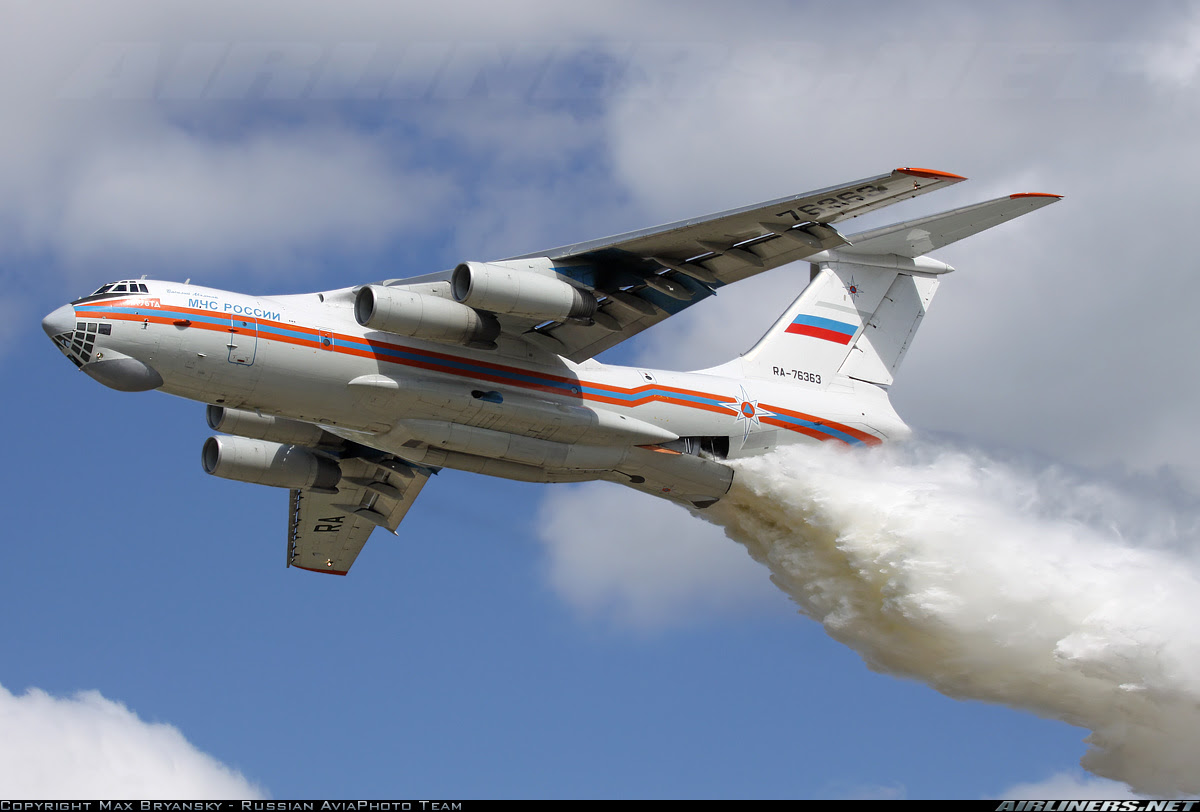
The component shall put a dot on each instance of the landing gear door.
(243, 340)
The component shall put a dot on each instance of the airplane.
(352, 398)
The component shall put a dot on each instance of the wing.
(642, 277)
(629, 282)
(326, 531)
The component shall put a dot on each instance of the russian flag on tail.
(838, 332)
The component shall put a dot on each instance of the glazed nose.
(60, 321)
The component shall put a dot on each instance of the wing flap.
(326, 532)
(322, 535)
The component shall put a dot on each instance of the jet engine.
(520, 293)
(406, 313)
(267, 463)
(266, 427)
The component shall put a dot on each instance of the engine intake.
(406, 313)
(520, 293)
(266, 463)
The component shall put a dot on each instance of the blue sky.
(537, 641)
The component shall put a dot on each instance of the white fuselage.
(305, 357)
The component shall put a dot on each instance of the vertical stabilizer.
(855, 317)
(813, 337)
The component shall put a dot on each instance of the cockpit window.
(125, 286)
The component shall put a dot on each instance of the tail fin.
(854, 318)
(860, 311)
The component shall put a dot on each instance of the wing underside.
(326, 531)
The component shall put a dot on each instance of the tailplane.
(865, 301)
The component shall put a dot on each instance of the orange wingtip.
(929, 173)
(1034, 194)
(314, 569)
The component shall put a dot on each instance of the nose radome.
(60, 321)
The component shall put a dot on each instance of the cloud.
(1069, 786)
(867, 792)
(88, 746)
(643, 562)
(169, 198)
(1176, 61)
(223, 136)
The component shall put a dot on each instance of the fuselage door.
(243, 340)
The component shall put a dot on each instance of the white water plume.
(1035, 588)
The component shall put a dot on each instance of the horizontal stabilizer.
(865, 301)
(917, 237)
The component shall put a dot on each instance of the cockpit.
(87, 333)
(122, 288)
(77, 339)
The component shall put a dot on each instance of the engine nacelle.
(266, 427)
(267, 463)
(520, 293)
(406, 313)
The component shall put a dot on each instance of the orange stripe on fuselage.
(869, 439)
(311, 337)
(816, 435)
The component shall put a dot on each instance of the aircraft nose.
(60, 321)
